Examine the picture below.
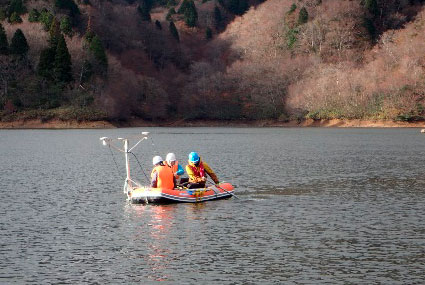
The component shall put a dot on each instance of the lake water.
(315, 206)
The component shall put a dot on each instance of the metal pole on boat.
(127, 162)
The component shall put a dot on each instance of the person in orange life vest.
(161, 176)
(197, 171)
(172, 163)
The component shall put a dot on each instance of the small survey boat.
(144, 195)
(139, 194)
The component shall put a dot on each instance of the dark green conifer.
(16, 6)
(303, 16)
(68, 5)
(171, 3)
(144, 10)
(15, 18)
(34, 16)
(170, 13)
(218, 19)
(62, 63)
(46, 19)
(46, 63)
(190, 14)
(98, 52)
(65, 26)
(371, 6)
(174, 32)
(183, 7)
(54, 33)
(208, 33)
(232, 6)
(3, 15)
(86, 71)
(242, 7)
(19, 45)
(293, 8)
(4, 45)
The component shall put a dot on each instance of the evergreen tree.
(242, 7)
(183, 7)
(99, 54)
(171, 3)
(34, 16)
(303, 16)
(16, 6)
(370, 27)
(371, 6)
(218, 19)
(4, 45)
(65, 26)
(170, 13)
(54, 33)
(68, 5)
(46, 19)
(62, 63)
(86, 71)
(208, 33)
(233, 6)
(19, 45)
(158, 25)
(3, 15)
(46, 63)
(174, 32)
(144, 11)
(15, 18)
(293, 8)
(190, 14)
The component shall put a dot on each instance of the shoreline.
(334, 123)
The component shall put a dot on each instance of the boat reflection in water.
(150, 239)
(161, 237)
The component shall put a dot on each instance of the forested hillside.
(205, 59)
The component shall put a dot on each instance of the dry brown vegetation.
(345, 61)
(332, 68)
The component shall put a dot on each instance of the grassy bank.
(68, 121)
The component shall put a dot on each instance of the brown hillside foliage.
(344, 60)
(325, 68)
(128, 94)
(390, 84)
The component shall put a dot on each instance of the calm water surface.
(316, 206)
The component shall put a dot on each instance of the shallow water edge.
(74, 124)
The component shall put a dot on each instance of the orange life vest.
(165, 177)
(198, 171)
(174, 168)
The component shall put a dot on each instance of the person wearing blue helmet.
(197, 171)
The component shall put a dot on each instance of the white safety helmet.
(170, 157)
(156, 159)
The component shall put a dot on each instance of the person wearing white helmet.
(171, 162)
(162, 175)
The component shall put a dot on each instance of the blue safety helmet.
(193, 157)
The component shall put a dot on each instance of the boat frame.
(139, 194)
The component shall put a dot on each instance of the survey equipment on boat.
(126, 149)
(137, 193)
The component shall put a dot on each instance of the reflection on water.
(316, 206)
(159, 224)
